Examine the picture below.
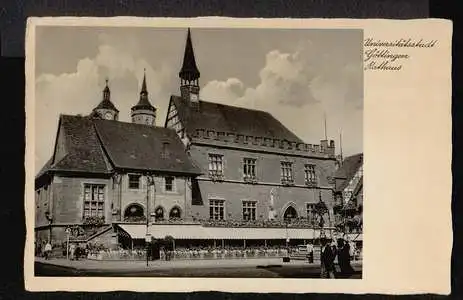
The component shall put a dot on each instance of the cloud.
(300, 89)
(80, 91)
(223, 91)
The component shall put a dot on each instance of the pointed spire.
(106, 101)
(189, 69)
(143, 102)
(106, 91)
(143, 85)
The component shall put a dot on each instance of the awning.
(135, 231)
(179, 232)
(355, 236)
(198, 232)
(191, 232)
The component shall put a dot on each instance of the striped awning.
(355, 236)
(198, 232)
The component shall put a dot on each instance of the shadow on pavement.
(262, 271)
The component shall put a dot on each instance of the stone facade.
(234, 190)
(63, 198)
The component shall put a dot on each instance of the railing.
(295, 223)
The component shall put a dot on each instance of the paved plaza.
(247, 268)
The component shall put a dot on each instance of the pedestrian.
(310, 253)
(47, 250)
(352, 250)
(327, 256)
(39, 249)
(344, 259)
(72, 249)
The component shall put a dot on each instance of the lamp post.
(287, 220)
(68, 232)
(149, 182)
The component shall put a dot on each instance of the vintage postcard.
(229, 154)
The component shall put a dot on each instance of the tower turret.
(189, 74)
(106, 109)
(143, 112)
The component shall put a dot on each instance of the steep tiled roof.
(45, 167)
(349, 167)
(143, 147)
(128, 146)
(84, 151)
(219, 117)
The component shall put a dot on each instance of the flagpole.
(324, 116)
(340, 144)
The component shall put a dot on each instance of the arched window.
(175, 213)
(159, 213)
(290, 213)
(134, 212)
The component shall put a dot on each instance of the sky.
(300, 76)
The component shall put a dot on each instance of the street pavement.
(225, 268)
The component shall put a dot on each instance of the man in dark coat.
(327, 256)
(344, 259)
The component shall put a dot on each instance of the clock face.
(194, 97)
(108, 116)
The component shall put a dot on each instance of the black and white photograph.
(198, 152)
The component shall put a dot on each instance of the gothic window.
(215, 165)
(249, 210)
(94, 200)
(175, 213)
(286, 172)
(309, 174)
(159, 213)
(134, 212)
(134, 181)
(249, 168)
(216, 209)
(290, 213)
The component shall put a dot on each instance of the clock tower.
(106, 109)
(143, 112)
(189, 74)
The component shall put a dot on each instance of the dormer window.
(165, 153)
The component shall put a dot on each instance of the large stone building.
(252, 166)
(104, 171)
(213, 172)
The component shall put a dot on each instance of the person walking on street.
(327, 256)
(310, 253)
(344, 259)
(72, 250)
(47, 250)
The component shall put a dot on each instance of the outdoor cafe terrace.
(303, 223)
